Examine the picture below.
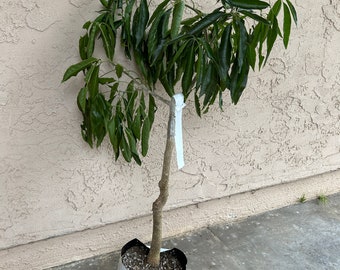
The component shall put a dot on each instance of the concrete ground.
(301, 236)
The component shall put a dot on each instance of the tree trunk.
(157, 207)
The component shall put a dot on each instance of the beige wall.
(285, 128)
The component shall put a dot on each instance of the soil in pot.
(135, 258)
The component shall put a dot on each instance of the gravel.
(135, 259)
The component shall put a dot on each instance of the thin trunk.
(157, 207)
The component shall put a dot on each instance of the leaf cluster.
(205, 53)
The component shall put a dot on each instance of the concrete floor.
(301, 236)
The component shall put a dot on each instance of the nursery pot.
(136, 244)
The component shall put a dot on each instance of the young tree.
(208, 55)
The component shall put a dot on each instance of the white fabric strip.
(179, 99)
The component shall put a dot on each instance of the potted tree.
(208, 55)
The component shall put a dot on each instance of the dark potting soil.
(135, 259)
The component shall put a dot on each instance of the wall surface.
(286, 127)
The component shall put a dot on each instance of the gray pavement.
(301, 236)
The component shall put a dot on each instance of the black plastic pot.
(179, 255)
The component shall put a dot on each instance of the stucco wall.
(286, 127)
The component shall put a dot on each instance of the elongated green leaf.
(81, 99)
(137, 124)
(274, 11)
(212, 88)
(154, 36)
(287, 22)
(160, 41)
(113, 91)
(208, 51)
(92, 38)
(106, 80)
(133, 146)
(145, 136)
(224, 51)
(104, 3)
(76, 68)
(190, 21)
(179, 53)
(189, 69)
(243, 42)
(254, 16)
(140, 20)
(125, 149)
(112, 129)
(152, 109)
(205, 22)
(119, 70)
(93, 82)
(197, 105)
(220, 100)
(272, 35)
(248, 4)
(106, 41)
(160, 9)
(293, 11)
(207, 80)
(200, 65)
(83, 46)
(126, 28)
(177, 18)
(238, 81)
(87, 25)
(252, 56)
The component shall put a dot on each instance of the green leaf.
(104, 3)
(125, 149)
(179, 53)
(248, 4)
(224, 51)
(272, 35)
(87, 25)
(83, 46)
(126, 27)
(152, 109)
(293, 11)
(200, 65)
(145, 136)
(154, 35)
(119, 70)
(212, 87)
(177, 18)
(197, 105)
(137, 124)
(287, 22)
(113, 91)
(207, 79)
(92, 37)
(140, 20)
(159, 44)
(76, 68)
(112, 129)
(106, 41)
(106, 80)
(81, 99)
(160, 9)
(93, 82)
(254, 16)
(238, 81)
(133, 146)
(189, 69)
(205, 22)
(274, 11)
(243, 42)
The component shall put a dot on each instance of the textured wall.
(286, 127)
